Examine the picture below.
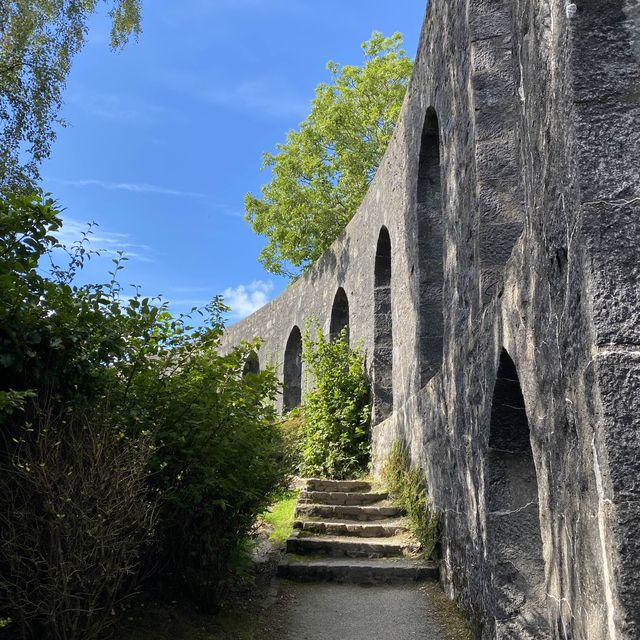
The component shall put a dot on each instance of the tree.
(320, 175)
(38, 40)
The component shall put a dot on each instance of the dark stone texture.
(358, 571)
(531, 245)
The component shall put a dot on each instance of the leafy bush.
(60, 342)
(220, 461)
(335, 439)
(75, 516)
(406, 485)
(292, 427)
(90, 351)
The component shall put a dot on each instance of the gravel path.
(384, 612)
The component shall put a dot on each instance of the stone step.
(344, 512)
(341, 497)
(382, 529)
(357, 570)
(338, 546)
(318, 484)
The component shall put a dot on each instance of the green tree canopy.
(320, 175)
(38, 39)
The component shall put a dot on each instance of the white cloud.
(132, 187)
(245, 299)
(108, 243)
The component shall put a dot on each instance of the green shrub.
(75, 519)
(406, 485)
(335, 435)
(220, 461)
(218, 450)
(292, 427)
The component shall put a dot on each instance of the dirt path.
(348, 612)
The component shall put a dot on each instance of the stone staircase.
(346, 531)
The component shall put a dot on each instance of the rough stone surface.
(317, 484)
(352, 547)
(523, 247)
(361, 513)
(350, 528)
(350, 550)
(358, 570)
(347, 498)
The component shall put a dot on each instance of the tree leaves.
(38, 40)
(321, 173)
(219, 456)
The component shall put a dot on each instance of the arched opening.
(292, 375)
(251, 364)
(430, 249)
(382, 331)
(339, 314)
(513, 521)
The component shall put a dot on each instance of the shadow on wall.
(292, 378)
(430, 249)
(252, 364)
(382, 331)
(513, 521)
(333, 264)
(339, 315)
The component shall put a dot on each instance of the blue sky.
(165, 137)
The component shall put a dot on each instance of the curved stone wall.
(510, 194)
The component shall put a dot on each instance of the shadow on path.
(329, 611)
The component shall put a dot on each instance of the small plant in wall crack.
(407, 486)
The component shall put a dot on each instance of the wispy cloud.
(132, 187)
(247, 298)
(263, 96)
(144, 188)
(201, 10)
(190, 290)
(108, 243)
(189, 302)
(189, 296)
(121, 108)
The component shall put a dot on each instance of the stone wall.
(503, 334)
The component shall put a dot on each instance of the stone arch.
(382, 330)
(292, 373)
(494, 70)
(339, 314)
(513, 521)
(430, 249)
(251, 364)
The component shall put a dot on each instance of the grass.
(280, 517)
(406, 485)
